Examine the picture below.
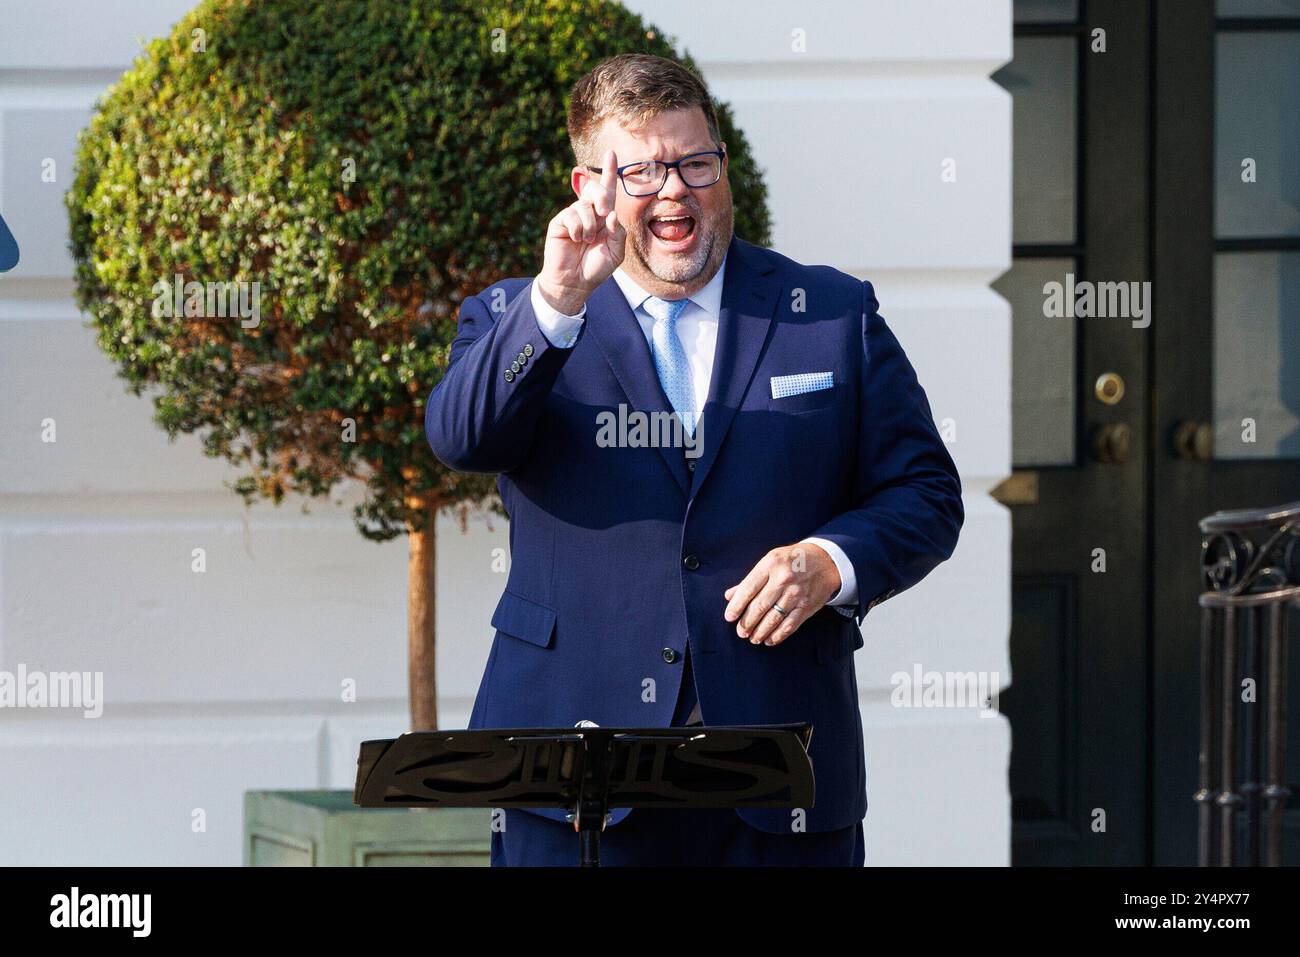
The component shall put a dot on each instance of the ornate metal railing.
(1251, 565)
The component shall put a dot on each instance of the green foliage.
(226, 164)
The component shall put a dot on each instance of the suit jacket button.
(521, 358)
(514, 367)
(528, 349)
(879, 598)
(510, 376)
(691, 562)
(669, 655)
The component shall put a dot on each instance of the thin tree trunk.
(420, 618)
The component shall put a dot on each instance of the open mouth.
(673, 230)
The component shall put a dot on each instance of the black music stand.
(589, 770)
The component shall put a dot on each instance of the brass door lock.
(1109, 388)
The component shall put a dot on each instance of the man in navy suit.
(715, 460)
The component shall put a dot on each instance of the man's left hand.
(800, 578)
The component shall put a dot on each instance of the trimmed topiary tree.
(339, 176)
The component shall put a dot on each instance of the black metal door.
(1226, 344)
(1079, 495)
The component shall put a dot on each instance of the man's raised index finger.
(609, 175)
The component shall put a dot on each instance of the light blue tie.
(670, 358)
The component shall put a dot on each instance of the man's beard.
(678, 268)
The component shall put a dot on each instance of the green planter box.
(325, 829)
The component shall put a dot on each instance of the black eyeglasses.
(647, 177)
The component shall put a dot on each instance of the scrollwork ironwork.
(1252, 552)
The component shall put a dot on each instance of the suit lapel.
(619, 335)
(749, 296)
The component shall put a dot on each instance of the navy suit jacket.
(620, 554)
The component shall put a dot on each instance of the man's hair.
(633, 88)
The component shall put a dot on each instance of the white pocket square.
(784, 385)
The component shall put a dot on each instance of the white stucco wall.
(226, 681)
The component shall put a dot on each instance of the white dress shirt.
(697, 327)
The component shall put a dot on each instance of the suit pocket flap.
(524, 619)
(806, 401)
